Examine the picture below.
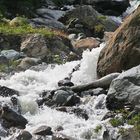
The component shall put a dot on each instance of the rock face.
(34, 46)
(123, 49)
(125, 90)
(85, 19)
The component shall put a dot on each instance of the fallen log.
(104, 82)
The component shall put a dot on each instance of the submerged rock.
(5, 91)
(43, 130)
(65, 82)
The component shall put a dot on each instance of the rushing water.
(31, 83)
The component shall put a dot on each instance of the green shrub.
(115, 122)
(98, 128)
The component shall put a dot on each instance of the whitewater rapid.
(31, 83)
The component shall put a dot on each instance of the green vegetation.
(22, 28)
(98, 128)
(115, 122)
(135, 120)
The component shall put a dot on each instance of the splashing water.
(30, 83)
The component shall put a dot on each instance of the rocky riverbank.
(51, 89)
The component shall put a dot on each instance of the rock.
(60, 137)
(61, 96)
(87, 43)
(111, 7)
(65, 82)
(12, 119)
(28, 62)
(10, 54)
(18, 21)
(124, 90)
(4, 60)
(6, 92)
(72, 100)
(53, 24)
(34, 46)
(59, 128)
(43, 130)
(88, 17)
(8, 42)
(24, 135)
(129, 134)
(50, 14)
(122, 52)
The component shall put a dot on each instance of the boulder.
(6, 92)
(28, 62)
(10, 54)
(34, 46)
(24, 135)
(122, 51)
(12, 119)
(90, 19)
(53, 24)
(43, 130)
(87, 43)
(124, 90)
(61, 96)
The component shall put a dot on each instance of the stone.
(28, 62)
(124, 90)
(87, 16)
(6, 92)
(43, 130)
(24, 135)
(4, 60)
(34, 46)
(60, 96)
(12, 119)
(10, 54)
(122, 51)
(65, 82)
(53, 24)
(87, 43)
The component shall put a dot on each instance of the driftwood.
(104, 82)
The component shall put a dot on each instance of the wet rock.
(24, 135)
(34, 46)
(65, 82)
(72, 100)
(16, 105)
(61, 137)
(59, 128)
(12, 119)
(124, 90)
(119, 54)
(94, 92)
(43, 130)
(108, 115)
(6, 92)
(3, 132)
(61, 96)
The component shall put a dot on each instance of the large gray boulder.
(125, 90)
